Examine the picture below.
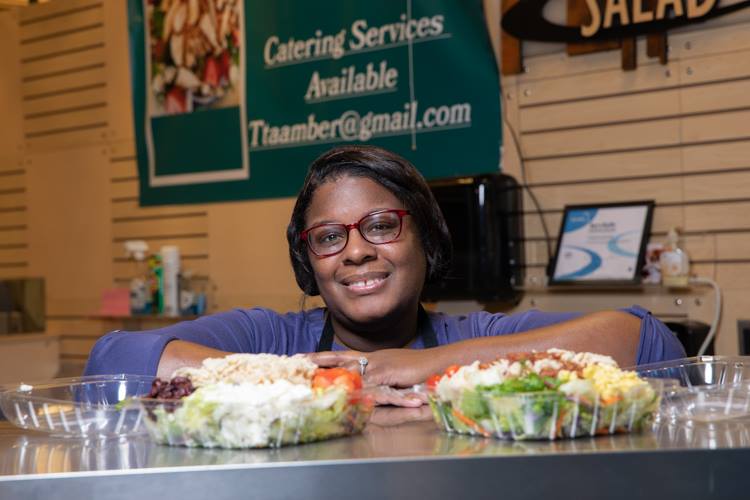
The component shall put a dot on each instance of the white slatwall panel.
(63, 91)
(63, 74)
(14, 242)
(71, 63)
(183, 225)
(14, 248)
(678, 134)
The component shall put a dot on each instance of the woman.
(366, 234)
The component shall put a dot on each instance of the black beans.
(177, 388)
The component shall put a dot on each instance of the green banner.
(233, 99)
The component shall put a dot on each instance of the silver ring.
(362, 365)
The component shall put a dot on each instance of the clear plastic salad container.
(700, 371)
(703, 389)
(82, 407)
(552, 394)
(199, 420)
(544, 415)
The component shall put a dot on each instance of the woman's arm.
(157, 352)
(179, 353)
(614, 333)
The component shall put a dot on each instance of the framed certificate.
(602, 244)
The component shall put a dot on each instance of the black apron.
(424, 330)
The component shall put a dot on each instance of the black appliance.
(483, 214)
(691, 335)
(743, 334)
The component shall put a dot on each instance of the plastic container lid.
(82, 407)
(703, 389)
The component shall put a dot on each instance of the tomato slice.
(432, 381)
(225, 62)
(211, 72)
(325, 377)
(451, 370)
(176, 101)
(320, 381)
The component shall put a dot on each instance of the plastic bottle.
(674, 262)
(187, 296)
(140, 296)
(170, 256)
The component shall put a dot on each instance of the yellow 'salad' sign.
(618, 11)
(612, 19)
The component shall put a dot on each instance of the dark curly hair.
(392, 172)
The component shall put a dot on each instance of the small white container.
(674, 263)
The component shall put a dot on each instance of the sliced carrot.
(558, 425)
(586, 401)
(470, 423)
(612, 400)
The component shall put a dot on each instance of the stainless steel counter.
(399, 455)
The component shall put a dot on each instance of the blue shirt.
(263, 330)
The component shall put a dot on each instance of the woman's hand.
(388, 396)
(385, 416)
(387, 367)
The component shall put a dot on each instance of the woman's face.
(366, 283)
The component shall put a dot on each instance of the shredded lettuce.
(198, 422)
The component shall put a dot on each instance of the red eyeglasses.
(378, 228)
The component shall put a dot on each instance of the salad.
(542, 395)
(255, 400)
(195, 52)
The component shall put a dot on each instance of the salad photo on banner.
(234, 98)
(194, 108)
